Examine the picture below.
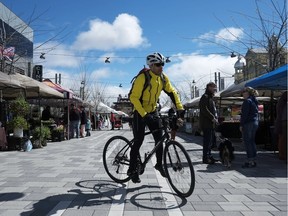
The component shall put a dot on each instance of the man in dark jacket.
(208, 120)
(46, 114)
(74, 117)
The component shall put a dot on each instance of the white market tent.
(103, 108)
(13, 85)
(36, 89)
(9, 86)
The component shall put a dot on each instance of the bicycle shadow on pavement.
(87, 193)
(158, 200)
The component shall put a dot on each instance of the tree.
(268, 31)
(273, 30)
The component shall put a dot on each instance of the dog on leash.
(226, 152)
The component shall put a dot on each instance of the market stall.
(274, 80)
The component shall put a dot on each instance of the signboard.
(38, 72)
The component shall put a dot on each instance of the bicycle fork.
(176, 166)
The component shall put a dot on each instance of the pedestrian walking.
(83, 120)
(112, 120)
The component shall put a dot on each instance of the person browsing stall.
(145, 113)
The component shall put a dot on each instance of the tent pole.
(272, 108)
(68, 119)
(40, 141)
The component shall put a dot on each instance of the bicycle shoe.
(130, 171)
(134, 176)
(161, 170)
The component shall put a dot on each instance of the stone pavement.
(68, 178)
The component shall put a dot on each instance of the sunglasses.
(159, 64)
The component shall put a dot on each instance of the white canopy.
(9, 87)
(103, 108)
(36, 89)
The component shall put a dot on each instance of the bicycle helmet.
(155, 58)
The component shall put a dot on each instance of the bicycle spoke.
(116, 155)
(179, 169)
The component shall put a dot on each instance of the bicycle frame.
(177, 164)
(165, 137)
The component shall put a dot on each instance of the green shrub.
(18, 122)
(42, 133)
(20, 107)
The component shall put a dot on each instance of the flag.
(9, 53)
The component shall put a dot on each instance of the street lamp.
(167, 60)
(82, 89)
(107, 60)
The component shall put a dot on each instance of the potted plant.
(19, 109)
(19, 106)
(40, 135)
(18, 124)
(58, 133)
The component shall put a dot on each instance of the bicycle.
(177, 163)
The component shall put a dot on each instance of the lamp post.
(82, 89)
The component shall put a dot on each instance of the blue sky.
(198, 36)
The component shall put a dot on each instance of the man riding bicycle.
(144, 101)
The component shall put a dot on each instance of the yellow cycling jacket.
(151, 94)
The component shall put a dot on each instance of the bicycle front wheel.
(116, 156)
(179, 169)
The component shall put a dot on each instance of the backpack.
(147, 80)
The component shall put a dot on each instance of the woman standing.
(249, 124)
(83, 121)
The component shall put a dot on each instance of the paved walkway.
(67, 178)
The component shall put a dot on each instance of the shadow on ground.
(102, 192)
(268, 163)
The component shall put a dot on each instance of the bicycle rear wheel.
(116, 156)
(179, 169)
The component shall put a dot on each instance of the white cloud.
(67, 79)
(225, 35)
(124, 32)
(230, 34)
(100, 74)
(200, 68)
